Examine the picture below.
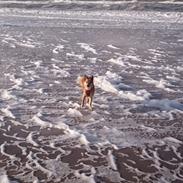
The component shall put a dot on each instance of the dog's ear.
(85, 76)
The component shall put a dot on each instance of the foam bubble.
(77, 56)
(87, 47)
(118, 61)
(38, 63)
(113, 47)
(58, 48)
(92, 60)
(83, 140)
(5, 94)
(74, 113)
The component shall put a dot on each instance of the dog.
(88, 89)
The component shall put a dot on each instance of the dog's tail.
(78, 79)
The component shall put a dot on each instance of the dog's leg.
(90, 102)
(83, 100)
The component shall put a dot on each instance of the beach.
(134, 132)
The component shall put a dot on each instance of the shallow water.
(134, 133)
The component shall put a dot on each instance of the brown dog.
(88, 88)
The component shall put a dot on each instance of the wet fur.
(88, 89)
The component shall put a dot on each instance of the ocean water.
(134, 51)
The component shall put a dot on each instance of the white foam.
(36, 119)
(38, 63)
(7, 112)
(30, 140)
(14, 136)
(16, 123)
(5, 94)
(75, 105)
(71, 133)
(2, 122)
(2, 151)
(163, 84)
(58, 49)
(173, 78)
(17, 81)
(63, 40)
(29, 43)
(164, 104)
(61, 72)
(61, 124)
(104, 84)
(40, 90)
(10, 41)
(118, 61)
(57, 167)
(148, 129)
(92, 60)
(174, 140)
(111, 160)
(123, 60)
(1, 118)
(131, 57)
(57, 82)
(55, 66)
(37, 165)
(77, 56)
(4, 178)
(87, 47)
(111, 82)
(83, 140)
(176, 151)
(85, 178)
(23, 149)
(112, 136)
(138, 95)
(113, 47)
(180, 68)
(25, 44)
(74, 113)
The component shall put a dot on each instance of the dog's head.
(88, 82)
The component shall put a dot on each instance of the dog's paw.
(91, 108)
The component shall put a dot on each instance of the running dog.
(88, 88)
